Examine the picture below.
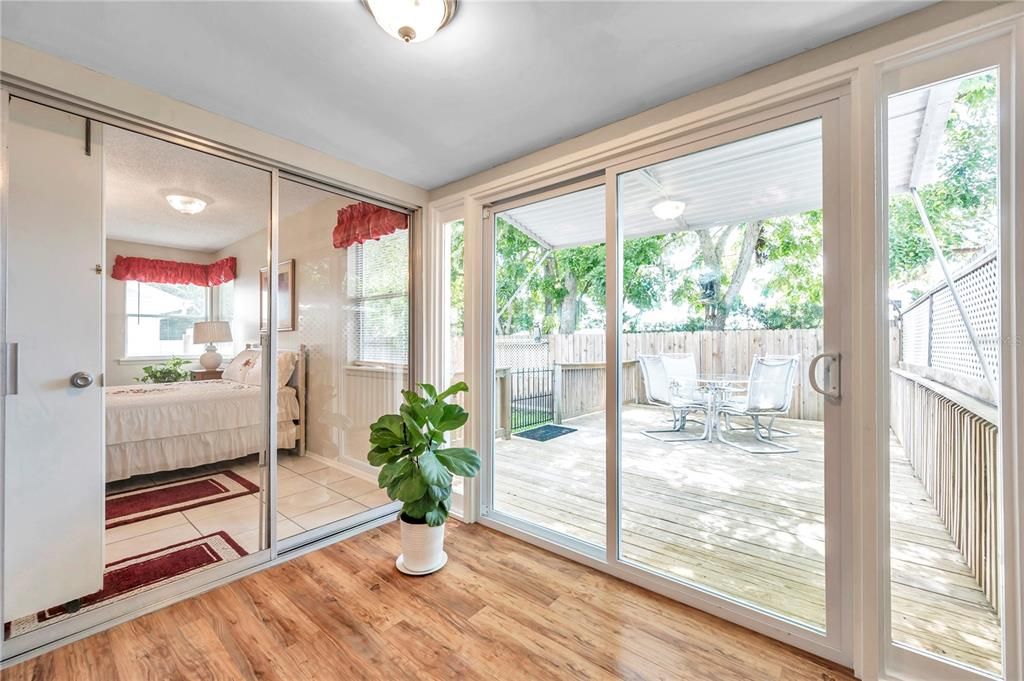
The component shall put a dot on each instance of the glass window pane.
(549, 451)
(944, 361)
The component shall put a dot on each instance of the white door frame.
(832, 107)
(912, 71)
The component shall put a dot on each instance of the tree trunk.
(568, 308)
(717, 312)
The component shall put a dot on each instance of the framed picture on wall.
(285, 296)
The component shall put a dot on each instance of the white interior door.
(54, 480)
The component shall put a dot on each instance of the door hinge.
(99, 269)
(88, 137)
(486, 213)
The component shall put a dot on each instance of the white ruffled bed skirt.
(185, 451)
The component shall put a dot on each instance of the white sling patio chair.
(769, 394)
(671, 381)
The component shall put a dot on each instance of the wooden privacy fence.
(951, 442)
(581, 357)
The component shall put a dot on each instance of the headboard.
(297, 380)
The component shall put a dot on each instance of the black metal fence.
(533, 397)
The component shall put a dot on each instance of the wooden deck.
(749, 526)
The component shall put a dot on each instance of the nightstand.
(206, 375)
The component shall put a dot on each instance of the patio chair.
(671, 381)
(769, 394)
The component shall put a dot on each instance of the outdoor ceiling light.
(411, 21)
(668, 209)
(188, 205)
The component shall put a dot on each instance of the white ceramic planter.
(422, 549)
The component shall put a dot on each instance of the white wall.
(116, 371)
(342, 399)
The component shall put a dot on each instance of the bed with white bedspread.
(168, 426)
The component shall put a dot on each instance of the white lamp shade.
(211, 332)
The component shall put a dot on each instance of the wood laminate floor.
(500, 609)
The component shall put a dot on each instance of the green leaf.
(433, 472)
(435, 413)
(379, 455)
(389, 422)
(460, 461)
(413, 430)
(429, 390)
(419, 508)
(394, 471)
(454, 417)
(440, 494)
(411, 487)
(459, 387)
(437, 516)
(411, 397)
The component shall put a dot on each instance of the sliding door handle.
(832, 387)
(10, 369)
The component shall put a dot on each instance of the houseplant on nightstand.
(417, 469)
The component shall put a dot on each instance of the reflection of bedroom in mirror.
(351, 276)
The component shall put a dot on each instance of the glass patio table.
(717, 390)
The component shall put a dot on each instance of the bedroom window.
(380, 285)
(159, 318)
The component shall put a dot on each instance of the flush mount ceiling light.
(668, 209)
(411, 21)
(189, 205)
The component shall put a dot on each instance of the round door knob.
(81, 379)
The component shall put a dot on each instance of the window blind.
(380, 285)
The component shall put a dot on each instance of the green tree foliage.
(962, 204)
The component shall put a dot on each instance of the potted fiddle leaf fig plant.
(417, 468)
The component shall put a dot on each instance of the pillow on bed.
(285, 366)
(240, 365)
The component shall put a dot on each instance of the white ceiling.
(139, 172)
(504, 79)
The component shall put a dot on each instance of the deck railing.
(950, 440)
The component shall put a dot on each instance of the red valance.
(172, 272)
(362, 222)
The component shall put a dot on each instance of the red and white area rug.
(170, 497)
(129, 576)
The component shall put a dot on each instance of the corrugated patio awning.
(771, 175)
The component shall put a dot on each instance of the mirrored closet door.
(343, 289)
(135, 428)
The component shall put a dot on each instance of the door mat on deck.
(545, 433)
(171, 497)
(129, 576)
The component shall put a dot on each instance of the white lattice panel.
(915, 335)
(934, 333)
(952, 349)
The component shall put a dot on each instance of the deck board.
(750, 526)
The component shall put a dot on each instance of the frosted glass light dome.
(411, 21)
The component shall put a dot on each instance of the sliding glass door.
(723, 459)
(667, 342)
